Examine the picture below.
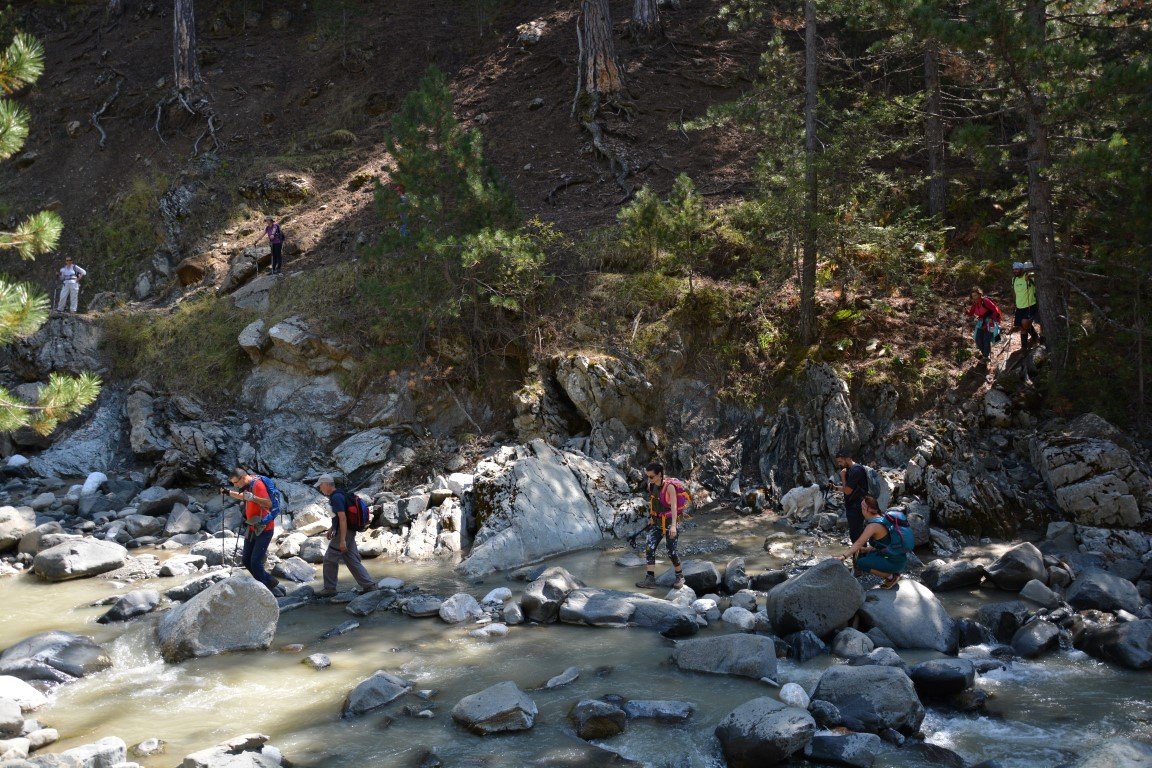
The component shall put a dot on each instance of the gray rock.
(253, 340)
(736, 576)
(106, 753)
(763, 582)
(38, 538)
(362, 450)
(1092, 479)
(745, 599)
(11, 719)
(542, 598)
(370, 602)
(317, 661)
(743, 655)
(661, 711)
(595, 719)
(1117, 753)
(313, 549)
(21, 692)
(763, 732)
(342, 628)
(236, 614)
(377, 691)
(79, 559)
(911, 616)
(225, 551)
(422, 606)
(459, 608)
(143, 525)
(940, 678)
(53, 656)
(294, 569)
(823, 599)
(1003, 618)
(740, 618)
(1035, 639)
(131, 605)
(945, 575)
(609, 608)
(564, 678)
(880, 657)
(180, 520)
(805, 645)
(1098, 589)
(496, 709)
(194, 586)
(879, 697)
(1040, 594)
(852, 749)
(15, 523)
(1128, 644)
(850, 643)
(158, 500)
(1016, 567)
(700, 576)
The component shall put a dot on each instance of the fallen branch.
(104, 108)
(563, 185)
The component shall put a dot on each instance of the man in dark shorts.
(854, 486)
(1026, 318)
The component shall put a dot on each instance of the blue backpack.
(279, 500)
(901, 540)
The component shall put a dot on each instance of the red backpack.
(683, 499)
(356, 512)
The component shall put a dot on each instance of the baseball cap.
(325, 479)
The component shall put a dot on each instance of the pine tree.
(22, 310)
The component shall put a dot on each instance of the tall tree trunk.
(645, 18)
(184, 51)
(934, 132)
(1041, 227)
(115, 8)
(808, 266)
(602, 79)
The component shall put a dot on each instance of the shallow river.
(1040, 715)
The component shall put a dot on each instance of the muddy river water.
(1041, 713)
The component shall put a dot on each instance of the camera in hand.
(225, 491)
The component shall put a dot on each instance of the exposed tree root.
(104, 108)
(199, 106)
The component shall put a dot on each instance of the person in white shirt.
(70, 276)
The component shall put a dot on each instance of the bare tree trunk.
(934, 133)
(603, 79)
(645, 18)
(808, 267)
(115, 8)
(184, 51)
(1041, 227)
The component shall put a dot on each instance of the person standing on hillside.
(275, 237)
(258, 534)
(854, 486)
(1024, 287)
(987, 316)
(70, 277)
(342, 536)
(666, 503)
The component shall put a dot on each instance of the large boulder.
(108, 752)
(945, 575)
(879, 697)
(858, 750)
(1093, 479)
(79, 559)
(744, 655)
(608, 608)
(21, 692)
(535, 501)
(1128, 644)
(763, 732)
(158, 500)
(496, 709)
(823, 599)
(1016, 567)
(90, 447)
(15, 524)
(911, 616)
(237, 614)
(543, 596)
(1095, 588)
(135, 603)
(735, 577)
(374, 692)
(53, 657)
(1035, 639)
(1003, 618)
(362, 450)
(596, 719)
(41, 537)
(65, 344)
(939, 678)
(701, 576)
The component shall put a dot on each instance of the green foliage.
(191, 348)
(61, 398)
(22, 311)
(127, 233)
(675, 234)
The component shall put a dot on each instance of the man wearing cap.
(1025, 319)
(343, 541)
(275, 237)
(258, 530)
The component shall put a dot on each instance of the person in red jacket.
(258, 530)
(987, 316)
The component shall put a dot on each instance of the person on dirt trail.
(257, 533)
(1027, 310)
(881, 549)
(275, 237)
(666, 502)
(854, 486)
(342, 536)
(402, 206)
(987, 316)
(70, 277)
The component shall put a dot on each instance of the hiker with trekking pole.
(69, 287)
(261, 506)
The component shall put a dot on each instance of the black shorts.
(1025, 313)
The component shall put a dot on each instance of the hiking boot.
(279, 591)
(679, 583)
(326, 593)
(649, 581)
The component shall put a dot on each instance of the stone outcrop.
(911, 617)
(822, 599)
(237, 614)
(78, 559)
(64, 344)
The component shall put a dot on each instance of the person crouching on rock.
(883, 546)
(342, 536)
(258, 525)
(666, 498)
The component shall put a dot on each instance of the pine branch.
(22, 63)
(37, 234)
(13, 128)
(21, 311)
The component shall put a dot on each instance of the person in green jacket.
(1026, 318)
